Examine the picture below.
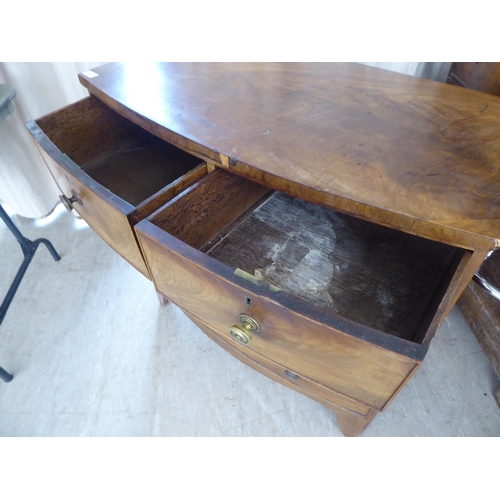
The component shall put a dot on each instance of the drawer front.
(336, 360)
(280, 373)
(104, 212)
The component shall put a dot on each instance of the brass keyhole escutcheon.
(68, 202)
(241, 333)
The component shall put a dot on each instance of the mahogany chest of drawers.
(318, 221)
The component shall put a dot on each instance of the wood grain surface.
(352, 417)
(129, 161)
(343, 363)
(119, 172)
(139, 168)
(482, 311)
(86, 129)
(105, 213)
(278, 372)
(201, 212)
(375, 276)
(408, 153)
(483, 76)
(468, 266)
(168, 193)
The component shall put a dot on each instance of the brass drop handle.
(241, 333)
(68, 202)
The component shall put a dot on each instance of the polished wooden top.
(401, 151)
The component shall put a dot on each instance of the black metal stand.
(6, 377)
(29, 248)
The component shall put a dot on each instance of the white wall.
(432, 70)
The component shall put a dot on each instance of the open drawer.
(330, 298)
(111, 171)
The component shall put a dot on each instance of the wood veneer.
(405, 152)
(119, 172)
(480, 309)
(402, 170)
(483, 76)
(337, 353)
(376, 276)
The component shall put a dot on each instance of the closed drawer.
(282, 374)
(337, 301)
(114, 172)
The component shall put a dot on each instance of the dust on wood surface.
(139, 167)
(373, 275)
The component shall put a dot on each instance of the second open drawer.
(338, 300)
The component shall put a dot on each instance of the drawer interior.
(373, 275)
(129, 161)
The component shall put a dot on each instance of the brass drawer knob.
(68, 202)
(241, 333)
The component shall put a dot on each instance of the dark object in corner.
(29, 248)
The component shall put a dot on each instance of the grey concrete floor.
(94, 354)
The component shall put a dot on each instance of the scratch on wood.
(484, 109)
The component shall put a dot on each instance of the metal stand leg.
(29, 248)
(6, 377)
